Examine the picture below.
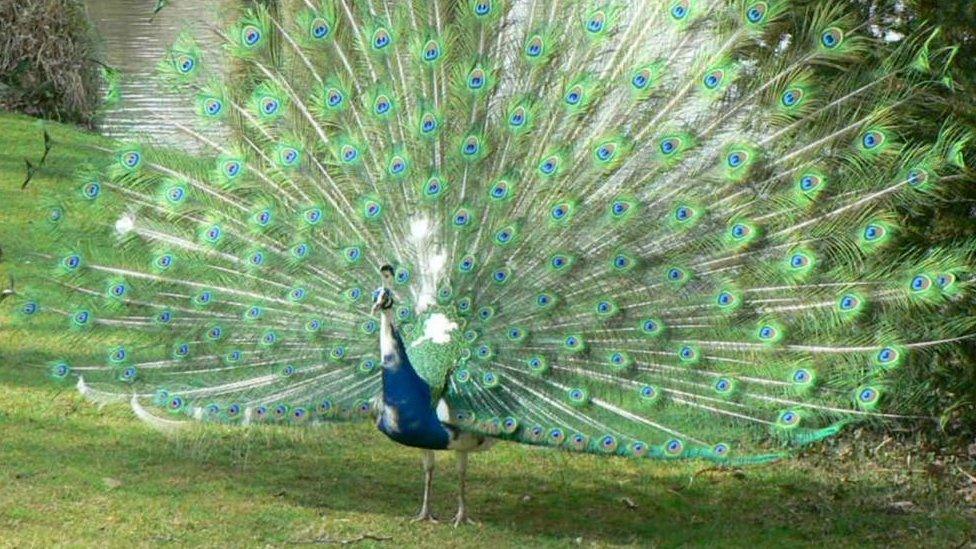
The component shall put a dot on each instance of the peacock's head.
(383, 296)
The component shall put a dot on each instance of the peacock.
(662, 230)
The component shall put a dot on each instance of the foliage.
(46, 60)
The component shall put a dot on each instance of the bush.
(47, 49)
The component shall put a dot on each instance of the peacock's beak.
(376, 307)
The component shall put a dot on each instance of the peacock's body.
(651, 229)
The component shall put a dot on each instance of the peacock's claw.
(462, 518)
(9, 291)
(425, 516)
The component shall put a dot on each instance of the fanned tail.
(666, 229)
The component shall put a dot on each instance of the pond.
(134, 41)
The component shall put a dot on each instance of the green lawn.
(76, 475)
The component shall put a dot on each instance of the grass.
(72, 474)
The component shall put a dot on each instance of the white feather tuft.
(443, 411)
(99, 397)
(125, 224)
(159, 423)
(431, 260)
(438, 329)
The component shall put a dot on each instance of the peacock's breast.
(408, 415)
(435, 350)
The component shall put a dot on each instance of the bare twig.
(878, 447)
(47, 146)
(967, 473)
(734, 471)
(31, 168)
(332, 541)
(160, 4)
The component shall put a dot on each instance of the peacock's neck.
(407, 415)
(388, 343)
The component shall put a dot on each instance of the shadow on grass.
(354, 469)
(55, 441)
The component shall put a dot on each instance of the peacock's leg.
(462, 512)
(425, 513)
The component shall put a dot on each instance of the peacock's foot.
(425, 516)
(462, 518)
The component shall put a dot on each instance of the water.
(134, 42)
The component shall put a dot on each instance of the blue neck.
(409, 416)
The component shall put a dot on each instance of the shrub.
(47, 49)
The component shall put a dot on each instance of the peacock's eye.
(640, 79)
(713, 79)
(381, 39)
(251, 35)
(755, 14)
(213, 106)
(596, 22)
(319, 28)
(333, 97)
(184, 63)
(383, 105)
(831, 38)
(792, 97)
(679, 10)
(518, 117)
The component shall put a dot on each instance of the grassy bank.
(76, 475)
